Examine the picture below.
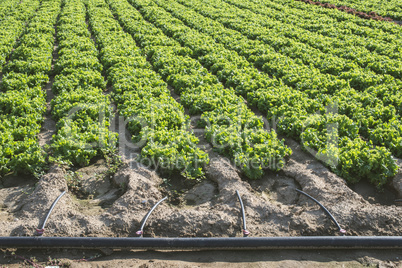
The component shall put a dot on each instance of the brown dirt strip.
(370, 16)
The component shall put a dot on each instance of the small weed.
(58, 262)
(123, 186)
(113, 162)
(73, 182)
(84, 259)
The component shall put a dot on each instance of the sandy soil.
(143, 259)
(102, 204)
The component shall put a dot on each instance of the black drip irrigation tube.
(227, 243)
(342, 231)
(144, 220)
(198, 243)
(245, 232)
(41, 229)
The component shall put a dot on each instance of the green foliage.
(144, 100)
(22, 100)
(175, 150)
(358, 160)
(231, 127)
(309, 92)
(13, 19)
(80, 108)
(74, 78)
(20, 82)
(77, 142)
(324, 78)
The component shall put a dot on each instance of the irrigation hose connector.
(40, 232)
(245, 233)
(139, 233)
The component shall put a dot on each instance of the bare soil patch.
(102, 204)
(229, 259)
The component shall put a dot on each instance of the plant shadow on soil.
(14, 188)
(276, 186)
(369, 192)
(184, 192)
(93, 188)
(386, 195)
(17, 180)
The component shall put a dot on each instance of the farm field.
(124, 102)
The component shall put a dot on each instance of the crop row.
(292, 71)
(231, 127)
(378, 121)
(351, 23)
(294, 108)
(156, 121)
(262, 56)
(6, 6)
(12, 24)
(23, 102)
(283, 23)
(80, 108)
(297, 74)
(285, 41)
(379, 37)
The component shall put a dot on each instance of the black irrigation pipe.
(342, 231)
(228, 243)
(144, 220)
(245, 232)
(198, 243)
(41, 229)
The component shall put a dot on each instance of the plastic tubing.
(41, 230)
(245, 232)
(342, 231)
(144, 220)
(226, 243)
